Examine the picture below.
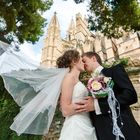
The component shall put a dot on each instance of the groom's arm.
(128, 95)
(124, 90)
(89, 104)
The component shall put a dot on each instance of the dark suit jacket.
(126, 95)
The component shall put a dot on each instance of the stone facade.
(135, 78)
(79, 37)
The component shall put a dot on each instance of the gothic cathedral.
(79, 37)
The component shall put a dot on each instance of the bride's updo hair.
(67, 58)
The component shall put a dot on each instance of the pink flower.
(98, 86)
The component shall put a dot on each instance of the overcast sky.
(66, 10)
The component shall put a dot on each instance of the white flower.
(106, 79)
(96, 85)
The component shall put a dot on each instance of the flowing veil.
(35, 89)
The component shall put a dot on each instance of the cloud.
(28, 49)
(66, 10)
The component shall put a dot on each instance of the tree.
(21, 19)
(112, 17)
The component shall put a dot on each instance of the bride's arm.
(67, 107)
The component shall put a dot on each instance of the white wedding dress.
(78, 126)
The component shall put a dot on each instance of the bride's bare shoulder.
(68, 79)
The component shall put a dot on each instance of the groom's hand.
(89, 104)
(85, 105)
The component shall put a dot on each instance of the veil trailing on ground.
(35, 89)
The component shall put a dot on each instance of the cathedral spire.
(71, 30)
(54, 22)
(72, 26)
(52, 42)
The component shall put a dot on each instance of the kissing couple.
(37, 90)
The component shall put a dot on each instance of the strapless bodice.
(79, 91)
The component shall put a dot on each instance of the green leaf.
(23, 19)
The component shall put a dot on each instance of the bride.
(76, 126)
(36, 90)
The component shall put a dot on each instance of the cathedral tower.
(52, 48)
(71, 31)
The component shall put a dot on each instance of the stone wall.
(134, 74)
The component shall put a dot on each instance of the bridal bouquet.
(99, 85)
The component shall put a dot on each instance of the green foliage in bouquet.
(8, 110)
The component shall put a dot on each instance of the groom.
(100, 112)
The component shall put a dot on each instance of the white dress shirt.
(96, 72)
